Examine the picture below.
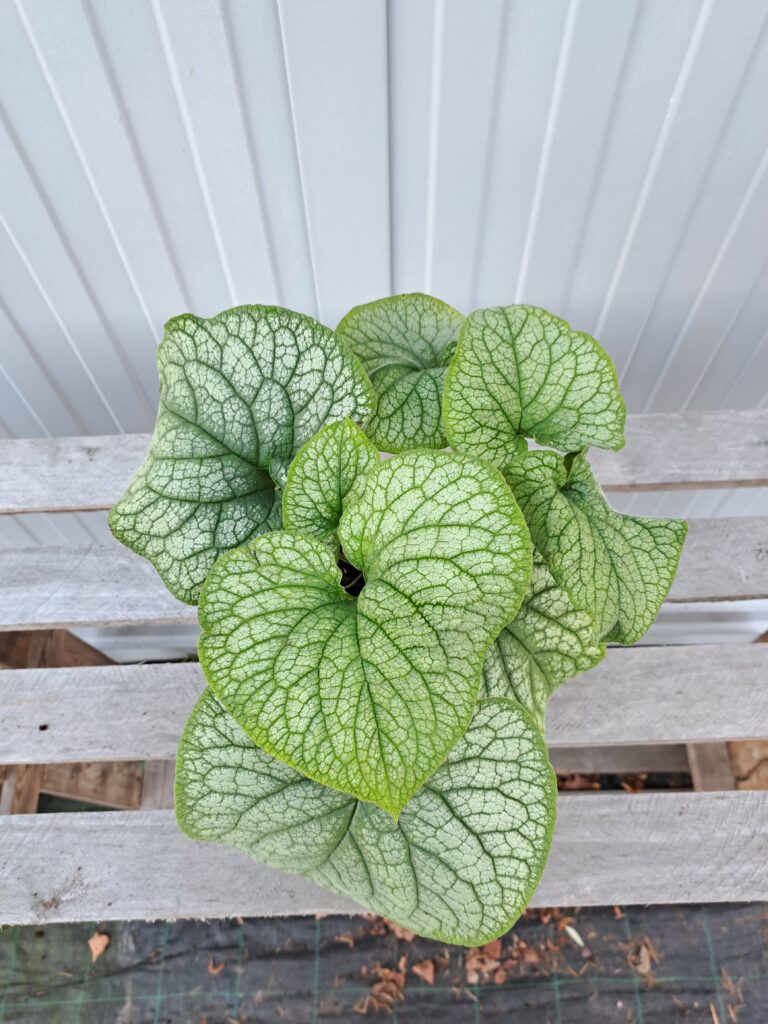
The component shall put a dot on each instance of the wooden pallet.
(641, 708)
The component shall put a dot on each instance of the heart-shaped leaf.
(322, 475)
(519, 372)
(405, 343)
(615, 567)
(548, 642)
(369, 694)
(239, 394)
(462, 861)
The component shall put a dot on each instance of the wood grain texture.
(710, 766)
(105, 584)
(53, 474)
(674, 451)
(723, 560)
(101, 584)
(28, 648)
(21, 788)
(608, 848)
(682, 694)
(22, 784)
(749, 763)
(117, 713)
(668, 450)
(618, 759)
(749, 758)
(125, 712)
(157, 788)
(108, 784)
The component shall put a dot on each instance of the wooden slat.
(673, 451)
(749, 759)
(684, 694)
(693, 449)
(44, 648)
(157, 791)
(102, 584)
(21, 789)
(44, 587)
(112, 784)
(109, 784)
(50, 647)
(723, 559)
(710, 766)
(54, 474)
(118, 713)
(619, 760)
(642, 695)
(608, 848)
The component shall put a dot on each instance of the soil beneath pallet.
(629, 965)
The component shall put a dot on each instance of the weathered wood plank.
(710, 766)
(702, 693)
(125, 712)
(671, 451)
(157, 789)
(749, 759)
(112, 783)
(21, 788)
(27, 648)
(618, 760)
(105, 584)
(102, 584)
(608, 848)
(21, 785)
(108, 784)
(118, 713)
(723, 560)
(54, 474)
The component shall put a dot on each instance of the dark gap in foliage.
(352, 578)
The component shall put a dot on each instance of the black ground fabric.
(630, 965)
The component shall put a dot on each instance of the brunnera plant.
(380, 636)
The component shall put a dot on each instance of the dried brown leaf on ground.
(641, 957)
(386, 991)
(404, 934)
(733, 994)
(479, 967)
(425, 969)
(492, 949)
(577, 780)
(633, 782)
(97, 944)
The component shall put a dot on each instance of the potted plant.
(380, 636)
